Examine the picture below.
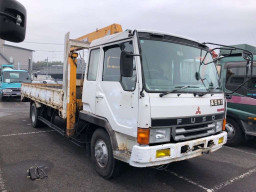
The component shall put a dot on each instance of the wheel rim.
(230, 131)
(33, 115)
(101, 153)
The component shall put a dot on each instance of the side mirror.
(12, 21)
(126, 64)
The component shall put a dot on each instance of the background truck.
(10, 81)
(241, 111)
(147, 99)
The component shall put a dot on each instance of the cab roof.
(125, 35)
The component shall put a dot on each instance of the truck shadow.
(10, 99)
(248, 146)
(251, 143)
(177, 176)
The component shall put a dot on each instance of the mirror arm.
(17, 19)
(225, 47)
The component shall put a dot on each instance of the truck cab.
(10, 81)
(162, 112)
(241, 107)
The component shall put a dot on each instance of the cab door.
(90, 81)
(116, 96)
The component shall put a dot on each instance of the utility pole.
(46, 60)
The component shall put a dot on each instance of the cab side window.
(93, 65)
(235, 76)
(111, 69)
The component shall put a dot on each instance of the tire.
(34, 116)
(235, 133)
(105, 166)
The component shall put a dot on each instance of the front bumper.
(145, 156)
(12, 94)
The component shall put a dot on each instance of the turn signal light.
(143, 136)
(252, 118)
(224, 125)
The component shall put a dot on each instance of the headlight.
(160, 135)
(7, 90)
(219, 126)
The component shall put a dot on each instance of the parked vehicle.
(148, 99)
(241, 111)
(10, 81)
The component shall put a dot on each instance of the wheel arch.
(101, 123)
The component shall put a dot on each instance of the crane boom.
(69, 70)
(109, 30)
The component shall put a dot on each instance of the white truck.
(148, 99)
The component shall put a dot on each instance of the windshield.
(167, 66)
(16, 77)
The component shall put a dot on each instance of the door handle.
(99, 97)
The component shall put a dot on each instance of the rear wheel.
(102, 155)
(34, 116)
(234, 133)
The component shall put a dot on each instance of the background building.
(56, 71)
(20, 57)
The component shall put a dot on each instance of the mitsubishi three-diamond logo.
(198, 112)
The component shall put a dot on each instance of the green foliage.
(40, 64)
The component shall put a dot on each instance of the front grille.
(15, 91)
(193, 131)
(186, 128)
(186, 120)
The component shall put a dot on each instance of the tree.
(41, 64)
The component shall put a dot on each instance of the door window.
(235, 76)
(111, 70)
(93, 65)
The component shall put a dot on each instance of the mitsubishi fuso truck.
(148, 99)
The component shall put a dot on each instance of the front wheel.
(234, 133)
(34, 116)
(102, 155)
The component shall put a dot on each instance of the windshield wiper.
(178, 88)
